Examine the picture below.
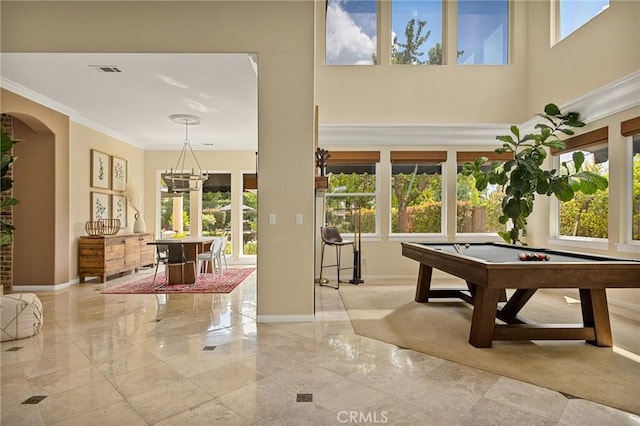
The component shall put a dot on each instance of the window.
(416, 32)
(416, 192)
(216, 206)
(175, 211)
(250, 214)
(483, 32)
(352, 189)
(586, 215)
(635, 222)
(631, 129)
(351, 32)
(478, 211)
(575, 13)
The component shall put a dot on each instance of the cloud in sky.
(348, 42)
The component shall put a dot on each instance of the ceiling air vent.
(106, 68)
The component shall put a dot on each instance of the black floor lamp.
(357, 261)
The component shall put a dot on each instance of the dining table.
(191, 247)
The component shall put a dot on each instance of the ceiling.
(131, 96)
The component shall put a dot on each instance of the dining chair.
(161, 257)
(211, 257)
(331, 237)
(221, 256)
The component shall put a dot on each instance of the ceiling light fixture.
(180, 179)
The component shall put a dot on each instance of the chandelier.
(180, 178)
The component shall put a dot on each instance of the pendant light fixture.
(180, 179)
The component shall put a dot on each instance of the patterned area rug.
(205, 284)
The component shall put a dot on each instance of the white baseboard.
(285, 318)
(55, 287)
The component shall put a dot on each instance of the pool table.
(491, 268)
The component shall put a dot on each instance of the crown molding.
(73, 115)
(610, 99)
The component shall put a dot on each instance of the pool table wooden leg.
(595, 313)
(424, 283)
(483, 320)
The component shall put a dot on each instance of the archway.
(33, 251)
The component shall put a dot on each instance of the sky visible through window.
(351, 32)
(403, 11)
(352, 27)
(576, 13)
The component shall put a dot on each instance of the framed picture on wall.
(99, 206)
(118, 174)
(119, 209)
(100, 170)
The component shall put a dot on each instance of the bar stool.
(331, 237)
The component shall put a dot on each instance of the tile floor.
(203, 360)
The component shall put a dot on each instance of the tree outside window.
(416, 198)
(352, 187)
(586, 215)
(416, 29)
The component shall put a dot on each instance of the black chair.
(331, 237)
(161, 257)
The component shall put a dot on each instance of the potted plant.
(523, 175)
(6, 183)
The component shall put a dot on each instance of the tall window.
(175, 211)
(416, 32)
(635, 199)
(586, 215)
(351, 29)
(250, 214)
(573, 14)
(216, 206)
(477, 211)
(416, 192)
(483, 32)
(631, 129)
(352, 191)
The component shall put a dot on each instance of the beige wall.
(81, 141)
(281, 33)
(424, 94)
(605, 50)
(44, 155)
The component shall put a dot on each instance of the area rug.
(388, 312)
(205, 284)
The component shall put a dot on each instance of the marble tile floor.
(203, 360)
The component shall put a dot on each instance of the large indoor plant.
(6, 183)
(523, 175)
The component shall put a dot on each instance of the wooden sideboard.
(106, 255)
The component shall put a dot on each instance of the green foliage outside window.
(586, 215)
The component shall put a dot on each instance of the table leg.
(595, 313)
(484, 317)
(424, 283)
(517, 301)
